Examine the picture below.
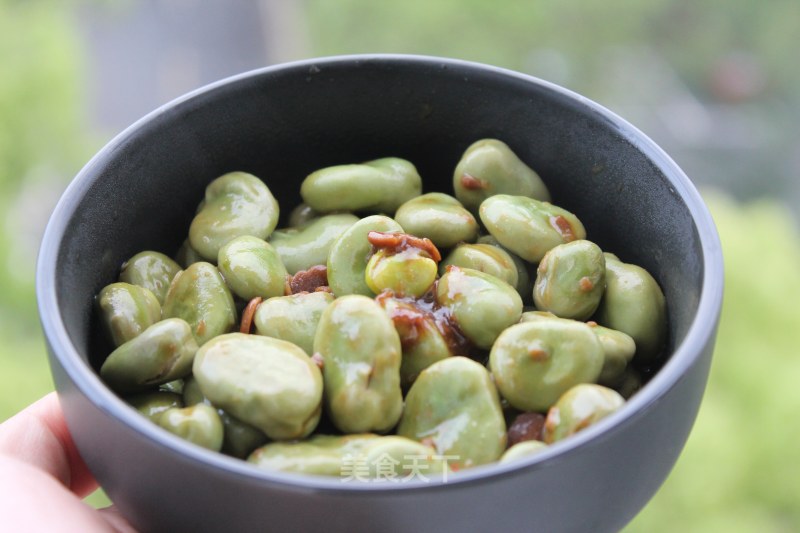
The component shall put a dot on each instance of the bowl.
(282, 122)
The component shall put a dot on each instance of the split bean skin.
(409, 272)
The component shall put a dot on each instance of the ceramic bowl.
(282, 122)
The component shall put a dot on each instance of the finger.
(116, 520)
(33, 500)
(38, 435)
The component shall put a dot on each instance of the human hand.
(43, 479)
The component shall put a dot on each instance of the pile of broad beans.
(384, 331)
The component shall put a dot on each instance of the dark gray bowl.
(282, 122)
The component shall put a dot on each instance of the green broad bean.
(292, 318)
(394, 458)
(199, 424)
(153, 404)
(127, 310)
(361, 356)
(359, 457)
(381, 185)
(524, 284)
(350, 313)
(629, 384)
(268, 383)
(422, 342)
(176, 386)
(618, 347)
(481, 304)
(489, 167)
(252, 267)
(618, 350)
(350, 253)
(323, 455)
(528, 227)
(570, 280)
(523, 449)
(161, 353)
(454, 407)
(439, 217)
(153, 271)
(634, 304)
(187, 255)
(240, 438)
(578, 408)
(486, 258)
(409, 272)
(235, 204)
(301, 215)
(534, 363)
(200, 296)
(533, 316)
(306, 246)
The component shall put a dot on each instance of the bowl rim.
(89, 383)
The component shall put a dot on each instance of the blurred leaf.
(41, 142)
(737, 471)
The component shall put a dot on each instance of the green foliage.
(24, 371)
(690, 35)
(737, 470)
(39, 90)
(501, 33)
(40, 143)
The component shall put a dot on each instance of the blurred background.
(713, 82)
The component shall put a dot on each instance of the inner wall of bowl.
(281, 124)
